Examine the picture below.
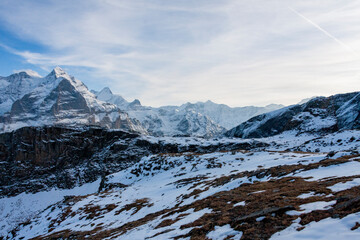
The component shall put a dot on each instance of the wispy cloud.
(350, 49)
(169, 52)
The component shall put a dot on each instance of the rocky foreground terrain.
(127, 186)
(38, 158)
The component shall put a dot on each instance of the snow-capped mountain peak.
(135, 104)
(22, 74)
(56, 75)
(59, 72)
(29, 72)
(105, 94)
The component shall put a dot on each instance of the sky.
(163, 52)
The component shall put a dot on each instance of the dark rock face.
(66, 97)
(34, 159)
(23, 106)
(319, 115)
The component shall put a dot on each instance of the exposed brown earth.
(271, 200)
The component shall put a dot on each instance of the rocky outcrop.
(34, 159)
(319, 115)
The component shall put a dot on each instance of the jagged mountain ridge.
(226, 116)
(60, 99)
(318, 115)
(197, 119)
(164, 121)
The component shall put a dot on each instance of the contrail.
(325, 32)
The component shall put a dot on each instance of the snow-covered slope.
(258, 194)
(319, 115)
(59, 98)
(21, 208)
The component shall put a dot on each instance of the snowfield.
(23, 207)
(294, 187)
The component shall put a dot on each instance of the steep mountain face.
(16, 86)
(199, 119)
(61, 99)
(319, 115)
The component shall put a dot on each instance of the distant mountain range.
(190, 119)
(27, 99)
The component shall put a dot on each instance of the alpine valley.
(81, 164)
